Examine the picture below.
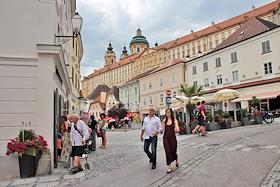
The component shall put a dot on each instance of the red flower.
(18, 145)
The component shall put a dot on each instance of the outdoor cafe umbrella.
(226, 94)
(198, 98)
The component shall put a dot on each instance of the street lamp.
(77, 22)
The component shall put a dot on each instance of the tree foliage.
(118, 111)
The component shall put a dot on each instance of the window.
(161, 98)
(235, 77)
(145, 102)
(218, 62)
(205, 66)
(204, 47)
(195, 83)
(183, 54)
(135, 90)
(160, 82)
(173, 79)
(193, 50)
(206, 82)
(194, 70)
(144, 87)
(150, 86)
(233, 57)
(268, 68)
(265, 47)
(174, 94)
(151, 100)
(219, 80)
(210, 45)
(138, 49)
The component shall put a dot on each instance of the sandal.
(169, 170)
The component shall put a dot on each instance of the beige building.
(74, 59)
(247, 61)
(144, 58)
(153, 87)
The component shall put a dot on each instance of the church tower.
(110, 56)
(124, 53)
(138, 43)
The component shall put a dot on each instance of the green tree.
(189, 92)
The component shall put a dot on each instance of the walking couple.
(149, 135)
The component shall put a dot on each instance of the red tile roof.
(121, 62)
(263, 10)
(251, 28)
(168, 64)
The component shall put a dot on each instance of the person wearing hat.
(150, 129)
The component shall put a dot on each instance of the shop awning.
(265, 95)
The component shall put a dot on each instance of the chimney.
(253, 7)
(192, 31)
(212, 23)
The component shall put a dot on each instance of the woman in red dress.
(170, 126)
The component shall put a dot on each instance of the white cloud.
(160, 20)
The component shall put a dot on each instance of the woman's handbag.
(99, 133)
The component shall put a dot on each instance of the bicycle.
(268, 117)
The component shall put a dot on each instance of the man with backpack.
(78, 136)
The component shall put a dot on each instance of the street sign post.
(168, 101)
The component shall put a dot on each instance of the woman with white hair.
(78, 135)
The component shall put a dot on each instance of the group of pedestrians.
(75, 135)
(200, 114)
(152, 126)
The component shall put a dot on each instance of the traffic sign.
(168, 92)
(168, 101)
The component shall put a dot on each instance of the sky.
(159, 20)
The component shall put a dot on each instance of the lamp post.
(77, 22)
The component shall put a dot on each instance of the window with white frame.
(151, 100)
(206, 82)
(194, 70)
(173, 79)
(235, 76)
(265, 47)
(218, 62)
(160, 82)
(144, 87)
(234, 57)
(268, 68)
(219, 79)
(150, 86)
(205, 66)
(195, 83)
(161, 98)
(135, 90)
(145, 102)
(174, 93)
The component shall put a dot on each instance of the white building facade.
(34, 81)
(250, 66)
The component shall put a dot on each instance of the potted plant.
(227, 119)
(245, 117)
(29, 147)
(255, 103)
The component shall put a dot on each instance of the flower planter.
(213, 126)
(258, 120)
(28, 162)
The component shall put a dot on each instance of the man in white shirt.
(150, 129)
(78, 136)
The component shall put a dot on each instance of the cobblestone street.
(244, 156)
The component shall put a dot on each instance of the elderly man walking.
(78, 136)
(150, 129)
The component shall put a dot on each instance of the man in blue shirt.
(150, 129)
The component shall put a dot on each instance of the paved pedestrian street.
(244, 156)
